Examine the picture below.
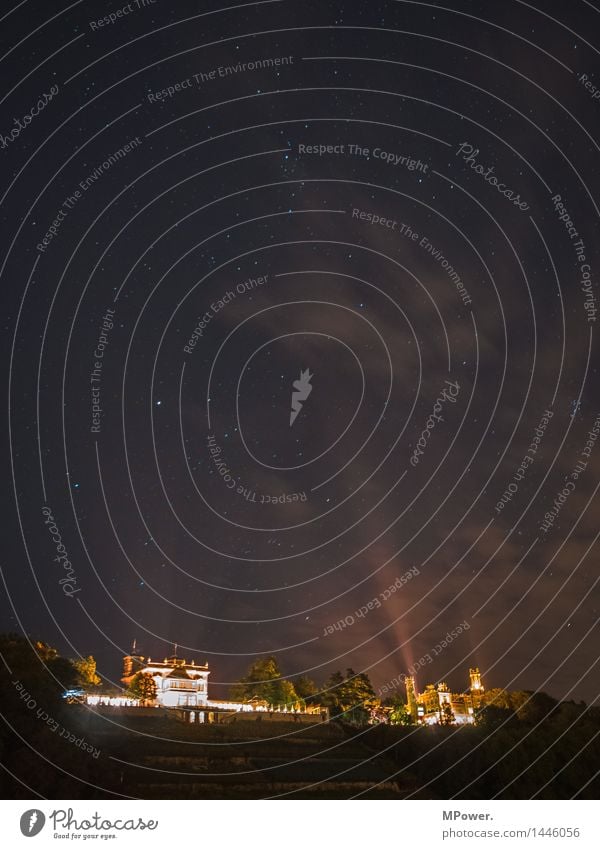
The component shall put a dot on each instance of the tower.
(133, 662)
(475, 679)
(411, 696)
(443, 693)
(476, 691)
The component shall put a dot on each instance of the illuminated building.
(185, 686)
(178, 684)
(438, 705)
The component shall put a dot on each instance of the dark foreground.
(159, 757)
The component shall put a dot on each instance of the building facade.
(437, 705)
(178, 683)
(185, 686)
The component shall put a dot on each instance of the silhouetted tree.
(399, 713)
(36, 758)
(352, 696)
(142, 687)
(306, 688)
(264, 681)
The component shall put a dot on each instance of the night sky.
(397, 199)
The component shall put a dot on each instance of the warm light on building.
(111, 701)
(475, 679)
(184, 685)
(178, 683)
(437, 705)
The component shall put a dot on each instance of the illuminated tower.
(476, 691)
(443, 693)
(475, 679)
(133, 662)
(411, 696)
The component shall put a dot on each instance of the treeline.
(348, 696)
(43, 750)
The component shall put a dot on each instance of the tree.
(285, 694)
(86, 671)
(491, 717)
(525, 705)
(399, 713)
(361, 696)
(43, 650)
(305, 688)
(498, 698)
(446, 714)
(34, 753)
(333, 693)
(536, 707)
(142, 687)
(263, 681)
(32, 673)
(352, 696)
